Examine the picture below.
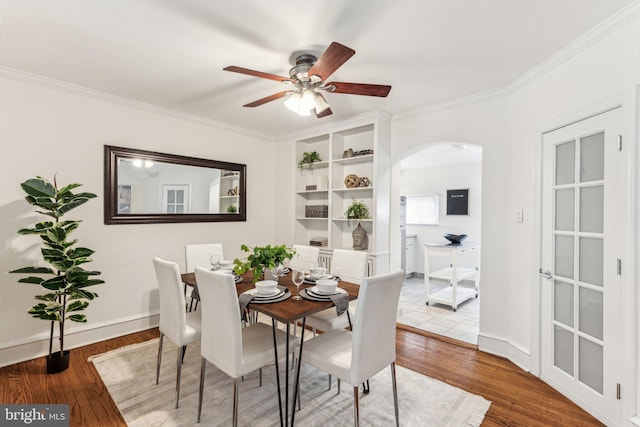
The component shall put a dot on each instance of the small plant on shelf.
(261, 259)
(308, 159)
(357, 210)
(232, 209)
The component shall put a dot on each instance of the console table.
(452, 295)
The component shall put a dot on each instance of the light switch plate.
(519, 216)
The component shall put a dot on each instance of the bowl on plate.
(326, 286)
(266, 287)
(226, 265)
(455, 239)
(318, 272)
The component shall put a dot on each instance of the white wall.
(437, 180)
(45, 132)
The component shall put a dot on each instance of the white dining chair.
(199, 255)
(350, 266)
(305, 258)
(354, 356)
(180, 327)
(233, 349)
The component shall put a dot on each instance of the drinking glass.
(215, 261)
(298, 277)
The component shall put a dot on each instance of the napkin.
(244, 301)
(341, 301)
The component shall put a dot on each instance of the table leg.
(275, 349)
(286, 376)
(297, 383)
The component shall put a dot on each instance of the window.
(422, 209)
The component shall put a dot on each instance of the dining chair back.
(199, 255)
(180, 327)
(355, 356)
(349, 265)
(305, 257)
(233, 349)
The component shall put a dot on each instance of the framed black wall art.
(458, 202)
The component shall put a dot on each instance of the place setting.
(327, 290)
(224, 266)
(265, 292)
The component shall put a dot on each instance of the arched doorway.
(423, 178)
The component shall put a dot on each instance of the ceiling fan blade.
(267, 99)
(359, 89)
(254, 73)
(324, 113)
(332, 59)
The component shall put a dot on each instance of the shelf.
(445, 296)
(353, 160)
(352, 190)
(447, 273)
(315, 165)
(352, 220)
(305, 218)
(308, 192)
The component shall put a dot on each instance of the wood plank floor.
(519, 398)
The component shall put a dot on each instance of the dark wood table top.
(288, 310)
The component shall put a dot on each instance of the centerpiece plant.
(262, 258)
(65, 282)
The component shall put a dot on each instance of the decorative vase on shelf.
(360, 238)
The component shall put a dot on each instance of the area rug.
(129, 374)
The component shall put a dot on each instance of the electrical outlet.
(519, 216)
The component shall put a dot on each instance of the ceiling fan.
(308, 76)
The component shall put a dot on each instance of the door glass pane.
(179, 196)
(590, 363)
(565, 163)
(591, 270)
(592, 157)
(171, 196)
(563, 302)
(564, 256)
(592, 209)
(171, 209)
(591, 312)
(565, 209)
(563, 349)
(179, 208)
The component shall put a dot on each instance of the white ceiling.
(170, 53)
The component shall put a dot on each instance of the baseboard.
(504, 348)
(38, 346)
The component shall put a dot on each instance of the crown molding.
(607, 27)
(50, 83)
(450, 104)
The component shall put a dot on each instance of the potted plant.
(232, 209)
(358, 210)
(65, 282)
(308, 159)
(261, 258)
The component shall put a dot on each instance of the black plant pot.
(57, 363)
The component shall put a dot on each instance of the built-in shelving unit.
(229, 190)
(322, 197)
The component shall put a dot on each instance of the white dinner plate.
(316, 291)
(255, 293)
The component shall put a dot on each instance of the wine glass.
(298, 277)
(215, 261)
(277, 272)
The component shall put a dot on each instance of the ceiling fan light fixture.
(320, 103)
(293, 102)
(308, 100)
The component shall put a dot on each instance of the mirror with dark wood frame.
(145, 187)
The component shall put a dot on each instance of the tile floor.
(440, 319)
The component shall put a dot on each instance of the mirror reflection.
(148, 187)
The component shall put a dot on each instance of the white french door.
(583, 213)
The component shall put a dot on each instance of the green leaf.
(55, 284)
(72, 205)
(91, 282)
(80, 318)
(31, 279)
(82, 294)
(80, 252)
(38, 187)
(77, 306)
(68, 188)
(47, 297)
(33, 270)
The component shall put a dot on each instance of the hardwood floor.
(519, 398)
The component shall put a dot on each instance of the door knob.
(546, 274)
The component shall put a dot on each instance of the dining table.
(288, 311)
